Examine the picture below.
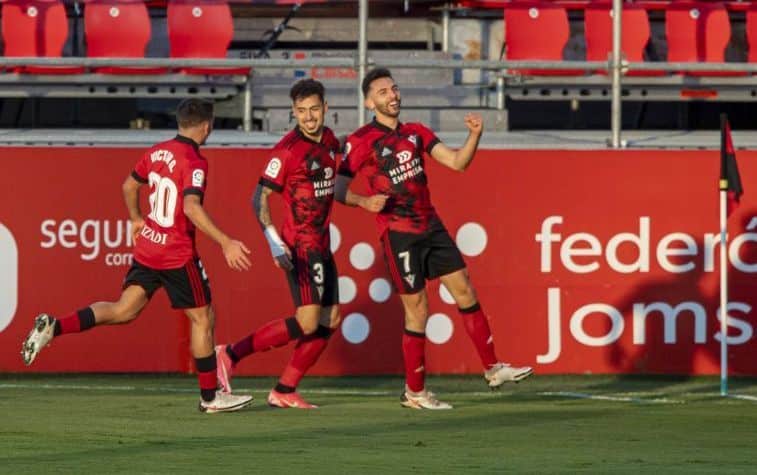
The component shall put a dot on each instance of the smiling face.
(384, 98)
(309, 113)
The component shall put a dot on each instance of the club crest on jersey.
(410, 279)
(404, 156)
(413, 139)
(273, 168)
(198, 178)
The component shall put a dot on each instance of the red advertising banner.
(585, 261)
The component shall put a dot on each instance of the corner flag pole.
(723, 288)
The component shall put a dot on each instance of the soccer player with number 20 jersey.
(164, 253)
(417, 246)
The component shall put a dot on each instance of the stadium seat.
(598, 33)
(698, 32)
(118, 29)
(537, 31)
(751, 33)
(198, 29)
(36, 28)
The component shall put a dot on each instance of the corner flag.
(730, 181)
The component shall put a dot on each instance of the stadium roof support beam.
(616, 105)
(362, 57)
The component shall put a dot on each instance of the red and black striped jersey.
(303, 171)
(393, 162)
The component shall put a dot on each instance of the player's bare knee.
(308, 317)
(200, 318)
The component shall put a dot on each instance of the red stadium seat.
(118, 29)
(635, 31)
(537, 31)
(698, 32)
(198, 29)
(751, 33)
(36, 28)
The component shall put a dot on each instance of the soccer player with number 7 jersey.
(165, 254)
(416, 244)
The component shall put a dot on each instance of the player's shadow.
(688, 344)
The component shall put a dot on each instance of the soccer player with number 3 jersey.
(165, 254)
(302, 168)
(417, 246)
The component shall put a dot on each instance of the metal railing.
(503, 70)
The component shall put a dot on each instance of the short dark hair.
(373, 74)
(306, 88)
(193, 111)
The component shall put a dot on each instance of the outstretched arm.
(344, 195)
(282, 256)
(234, 251)
(459, 160)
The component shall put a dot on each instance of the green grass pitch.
(92, 424)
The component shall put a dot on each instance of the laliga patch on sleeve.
(273, 168)
(198, 178)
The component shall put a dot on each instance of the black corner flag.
(730, 181)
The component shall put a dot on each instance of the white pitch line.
(745, 397)
(600, 397)
(87, 387)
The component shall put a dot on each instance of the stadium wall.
(586, 261)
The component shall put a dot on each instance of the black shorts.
(313, 280)
(414, 258)
(187, 287)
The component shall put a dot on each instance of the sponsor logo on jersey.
(410, 279)
(414, 139)
(386, 152)
(198, 178)
(404, 156)
(273, 168)
(315, 166)
(347, 148)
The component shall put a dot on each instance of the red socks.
(206, 376)
(306, 353)
(477, 326)
(413, 349)
(271, 335)
(76, 322)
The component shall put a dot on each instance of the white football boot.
(502, 373)
(422, 400)
(225, 402)
(38, 338)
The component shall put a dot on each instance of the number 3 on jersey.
(162, 199)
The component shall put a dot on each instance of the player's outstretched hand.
(474, 122)
(236, 253)
(284, 260)
(375, 203)
(136, 228)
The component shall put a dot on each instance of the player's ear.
(369, 104)
(325, 107)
